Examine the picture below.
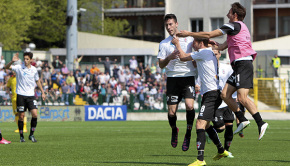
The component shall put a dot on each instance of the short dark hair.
(30, 54)
(240, 10)
(204, 40)
(170, 16)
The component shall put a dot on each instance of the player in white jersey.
(207, 67)
(27, 78)
(180, 80)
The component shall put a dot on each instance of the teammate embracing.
(26, 78)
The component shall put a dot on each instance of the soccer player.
(207, 68)
(180, 80)
(11, 84)
(26, 77)
(241, 56)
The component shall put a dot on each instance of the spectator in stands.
(65, 93)
(135, 75)
(147, 70)
(157, 76)
(72, 89)
(95, 97)
(93, 69)
(38, 66)
(115, 71)
(153, 69)
(96, 83)
(141, 98)
(128, 76)
(87, 88)
(107, 77)
(2, 62)
(107, 64)
(88, 79)
(62, 80)
(70, 78)
(45, 65)
(102, 78)
(54, 79)
(113, 82)
(57, 64)
(64, 70)
(158, 69)
(122, 78)
(103, 92)
(133, 64)
(140, 69)
(109, 93)
(46, 76)
(127, 69)
(77, 63)
(33, 63)
(125, 101)
(82, 90)
(87, 71)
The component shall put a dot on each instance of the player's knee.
(219, 129)
(189, 106)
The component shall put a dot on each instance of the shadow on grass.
(172, 155)
(147, 163)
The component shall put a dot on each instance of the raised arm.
(14, 59)
(214, 33)
(182, 55)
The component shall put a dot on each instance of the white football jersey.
(207, 68)
(177, 68)
(26, 79)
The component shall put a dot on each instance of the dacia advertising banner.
(105, 113)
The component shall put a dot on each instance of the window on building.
(216, 23)
(263, 25)
(285, 25)
(196, 25)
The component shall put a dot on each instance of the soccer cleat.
(262, 130)
(4, 141)
(221, 155)
(208, 140)
(241, 126)
(22, 139)
(230, 155)
(174, 138)
(197, 163)
(186, 142)
(31, 137)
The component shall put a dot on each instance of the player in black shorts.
(27, 78)
(180, 80)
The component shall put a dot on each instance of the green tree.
(49, 27)
(15, 21)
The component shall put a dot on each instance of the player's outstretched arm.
(207, 35)
(14, 59)
(182, 55)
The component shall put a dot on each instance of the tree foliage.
(43, 22)
(14, 23)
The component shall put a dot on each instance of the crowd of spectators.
(115, 84)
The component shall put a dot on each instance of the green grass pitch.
(137, 143)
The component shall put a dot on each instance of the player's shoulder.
(166, 40)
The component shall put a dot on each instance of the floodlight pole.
(71, 34)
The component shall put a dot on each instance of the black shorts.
(209, 104)
(178, 88)
(242, 76)
(222, 116)
(25, 102)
